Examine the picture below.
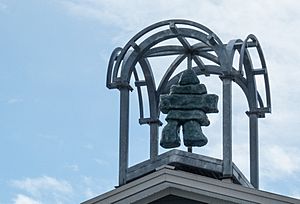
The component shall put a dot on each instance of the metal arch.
(151, 88)
(153, 121)
(123, 86)
(139, 92)
(131, 43)
(165, 51)
(149, 82)
(210, 69)
(134, 53)
(148, 43)
(140, 50)
(244, 84)
(169, 73)
(257, 71)
(255, 112)
(109, 80)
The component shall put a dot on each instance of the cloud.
(229, 19)
(89, 186)
(49, 190)
(134, 13)
(22, 199)
(275, 25)
(45, 188)
(89, 193)
(92, 186)
(279, 162)
(296, 195)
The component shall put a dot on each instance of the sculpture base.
(188, 162)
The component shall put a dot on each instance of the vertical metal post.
(189, 66)
(227, 126)
(254, 163)
(124, 132)
(154, 140)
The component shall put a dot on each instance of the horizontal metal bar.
(248, 44)
(119, 85)
(259, 71)
(149, 121)
(140, 83)
(260, 110)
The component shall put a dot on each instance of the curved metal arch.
(215, 70)
(169, 73)
(149, 82)
(131, 43)
(247, 84)
(151, 88)
(248, 88)
(139, 93)
(246, 60)
(257, 71)
(141, 49)
(122, 66)
(114, 55)
(165, 51)
(139, 52)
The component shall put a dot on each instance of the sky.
(59, 123)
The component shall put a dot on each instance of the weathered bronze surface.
(186, 106)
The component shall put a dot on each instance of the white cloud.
(89, 193)
(229, 15)
(279, 162)
(34, 185)
(22, 199)
(91, 186)
(296, 195)
(276, 24)
(48, 189)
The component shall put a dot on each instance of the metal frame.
(122, 66)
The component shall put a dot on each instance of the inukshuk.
(186, 106)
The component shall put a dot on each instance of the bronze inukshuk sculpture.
(186, 106)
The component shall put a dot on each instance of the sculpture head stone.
(186, 106)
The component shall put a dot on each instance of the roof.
(167, 183)
(187, 161)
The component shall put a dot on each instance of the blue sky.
(59, 123)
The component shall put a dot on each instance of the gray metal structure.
(148, 43)
(188, 188)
